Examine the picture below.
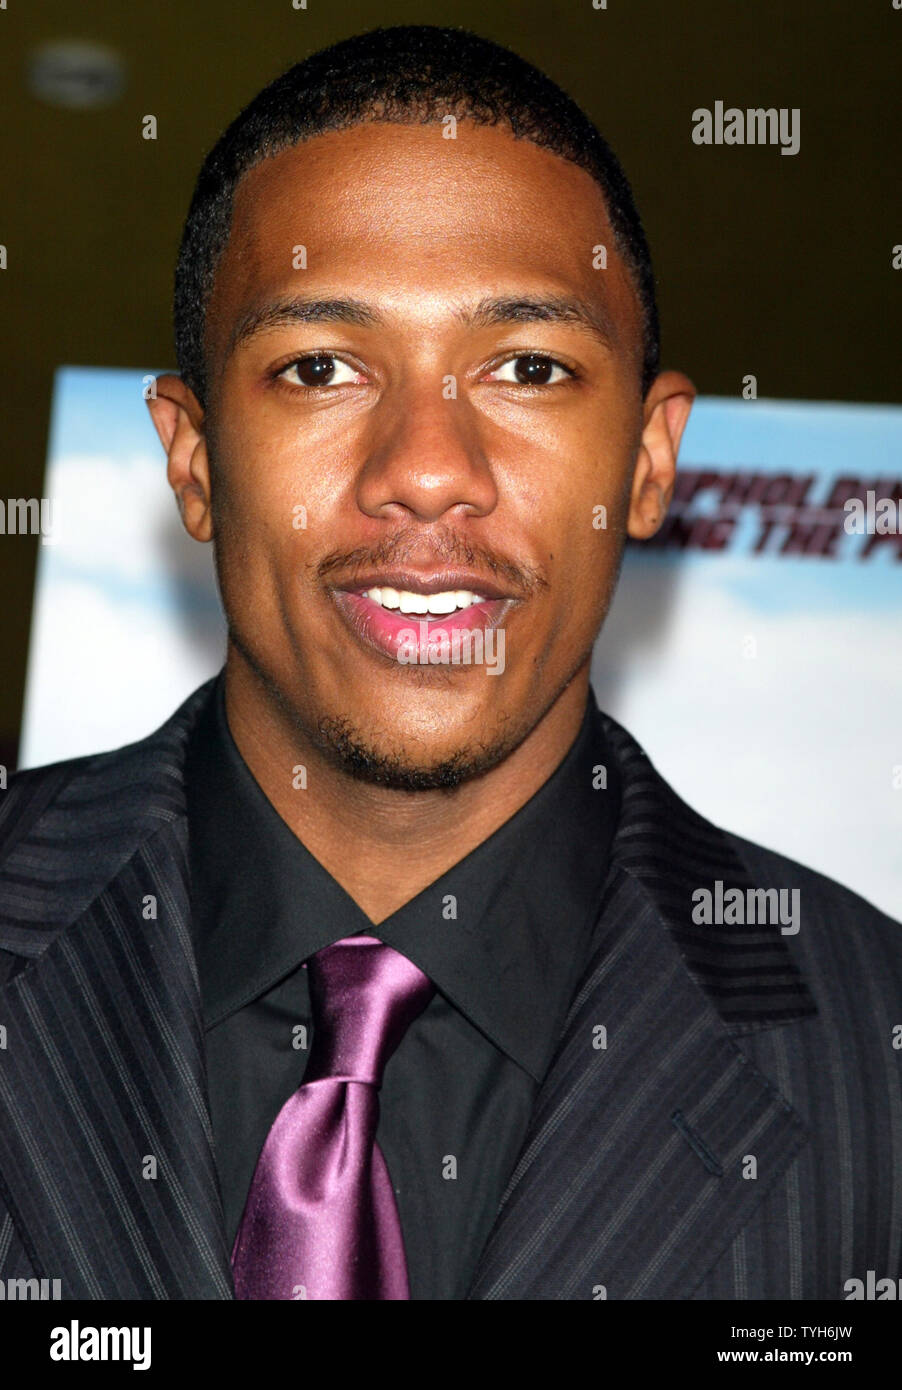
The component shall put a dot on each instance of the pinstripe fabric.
(609, 1194)
(672, 850)
(840, 1203)
(66, 830)
(102, 1086)
(7, 1231)
(722, 1044)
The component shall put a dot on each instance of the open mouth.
(403, 620)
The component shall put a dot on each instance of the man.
(380, 971)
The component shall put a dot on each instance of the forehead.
(412, 220)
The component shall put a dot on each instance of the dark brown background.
(775, 265)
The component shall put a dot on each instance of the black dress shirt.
(504, 935)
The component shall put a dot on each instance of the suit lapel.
(105, 1143)
(651, 1143)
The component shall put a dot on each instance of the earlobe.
(650, 498)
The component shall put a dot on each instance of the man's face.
(444, 434)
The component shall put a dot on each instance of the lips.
(389, 630)
(426, 582)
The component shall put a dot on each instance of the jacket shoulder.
(826, 897)
(89, 788)
(67, 828)
(34, 792)
(849, 951)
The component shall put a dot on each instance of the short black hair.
(412, 74)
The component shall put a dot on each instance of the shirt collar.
(504, 933)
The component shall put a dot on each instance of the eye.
(531, 369)
(319, 369)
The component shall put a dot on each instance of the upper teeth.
(408, 602)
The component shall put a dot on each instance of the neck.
(402, 841)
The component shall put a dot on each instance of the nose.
(427, 458)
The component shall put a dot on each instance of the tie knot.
(364, 996)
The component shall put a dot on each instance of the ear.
(178, 419)
(666, 411)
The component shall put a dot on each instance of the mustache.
(443, 547)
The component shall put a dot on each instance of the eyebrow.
(579, 313)
(281, 313)
(488, 312)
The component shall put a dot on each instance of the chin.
(411, 767)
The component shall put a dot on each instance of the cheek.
(582, 535)
(260, 552)
(581, 510)
(277, 461)
(266, 496)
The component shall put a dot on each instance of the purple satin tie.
(321, 1220)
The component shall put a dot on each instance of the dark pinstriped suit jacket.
(724, 1045)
